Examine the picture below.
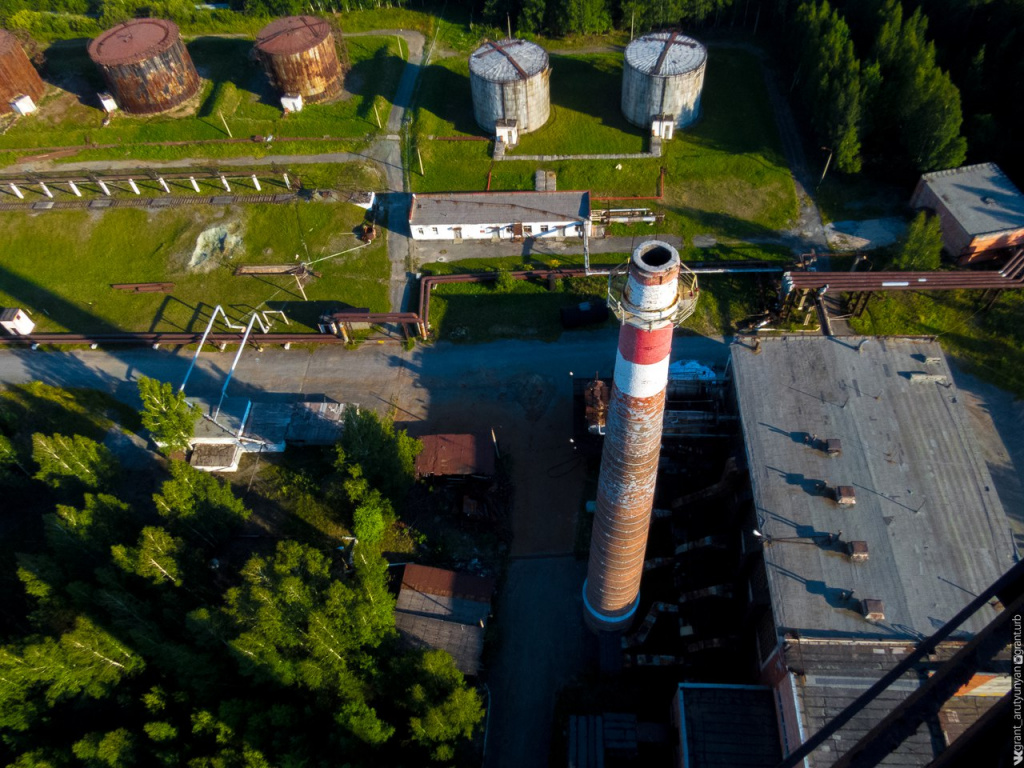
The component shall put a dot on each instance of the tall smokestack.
(649, 309)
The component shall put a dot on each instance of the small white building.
(23, 105)
(16, 322)
(497, 216)
(108, 102)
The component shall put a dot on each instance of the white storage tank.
(509, 82)
(662, 79)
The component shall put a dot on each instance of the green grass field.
(725, 176)
(233, 88)
(59, 265)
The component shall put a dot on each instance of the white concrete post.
(224, 181)
(46, 189)
(104, 187)
(17, 191)
(195, 184)
(135, 189)
(287, 182)
(164, 185)
(256, 183)
(74, 188)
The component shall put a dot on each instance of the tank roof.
(508, 60)
(133, 40)
(292, 34)
(7, 41)
(664, 54)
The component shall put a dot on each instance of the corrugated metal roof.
(980, 197)
(467, 208)
(133, 40)
(463, 641)
(926, 504)
(438, 581)
(447, 455)
(292, 34)
(684, 54)
(714, 714)
(508, 60)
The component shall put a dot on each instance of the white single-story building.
(499, 215)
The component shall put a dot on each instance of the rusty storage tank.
(145, 65)
(299, 56)
(663, 75)
(17, 75)
(509, 80)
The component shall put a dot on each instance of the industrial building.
(300, 57)
(499, 215)
(145, 65)
(874, 521)
(980, 209)
(444, 609)
(662, 81)
(18, 78)
(509, 81)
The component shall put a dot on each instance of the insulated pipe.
(632, 444)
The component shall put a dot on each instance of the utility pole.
(420, 158)
(221, 115)
(827, 162)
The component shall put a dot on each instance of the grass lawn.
(991, 344)
(59, 264)
(725, 176)
(233, 87)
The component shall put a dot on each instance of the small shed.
(470, 455)
(444, 609)
(15, 321)
(980, 209)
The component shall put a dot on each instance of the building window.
(419, 231)
(543, 227)
(528, 230)
(434, 230)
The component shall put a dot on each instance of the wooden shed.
(980, 209)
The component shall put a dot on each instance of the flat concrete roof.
(980, 197)
(467, 208)
(925, 502)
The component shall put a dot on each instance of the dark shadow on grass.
(365, 79)
(447, 95)
(69, 67)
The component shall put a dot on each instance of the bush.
(921, 248)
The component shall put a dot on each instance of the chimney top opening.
(658, 256)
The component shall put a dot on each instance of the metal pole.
(221, 115)
(234, 363)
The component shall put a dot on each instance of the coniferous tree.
(166, 414)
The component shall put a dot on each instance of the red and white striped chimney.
(632, 444)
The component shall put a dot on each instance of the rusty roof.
(455, 455)
(8, 42)
(133, 40)
(292, 34)
(438, 581)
